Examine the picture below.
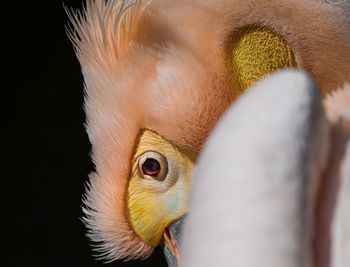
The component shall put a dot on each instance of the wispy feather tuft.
(100, 34)
(102, 27)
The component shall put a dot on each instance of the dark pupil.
(151, 167)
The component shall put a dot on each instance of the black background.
(45, 149)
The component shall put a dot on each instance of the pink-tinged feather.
(161, 65)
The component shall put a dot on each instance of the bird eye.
(153, 165)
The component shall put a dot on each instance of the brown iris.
(151, 167)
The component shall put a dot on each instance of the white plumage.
(255, 187)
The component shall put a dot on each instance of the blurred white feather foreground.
(255, 187)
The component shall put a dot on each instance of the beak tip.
(172, 242)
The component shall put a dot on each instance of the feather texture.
(161, 65)
(266, 157)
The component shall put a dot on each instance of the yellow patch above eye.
(257, 51)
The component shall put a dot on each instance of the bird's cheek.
(177, 201)
(174, 203)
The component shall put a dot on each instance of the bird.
(159, 74)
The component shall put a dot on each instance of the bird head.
(158, 76)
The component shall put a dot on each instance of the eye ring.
(153, 165)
